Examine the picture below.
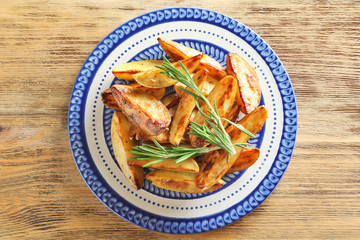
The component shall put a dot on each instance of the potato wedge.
(214, 165)
(247, 157)
(189, 165)
(178, 181)
(127, 70)
(177, 90)
(142, 109)
(170, 100)
(156, 92)
(183, 113)
(224, 93)
(153, 78)
(232, 115)
(122, 145)
(109, 100)
(249, 94)
(209, 85)
(163, 137)
(178, 52)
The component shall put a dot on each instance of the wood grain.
(43, 45)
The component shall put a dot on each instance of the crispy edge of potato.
(127, 70)
(179, 181)
(188, 165)
(122, 145)
(149, 119)
(155, 79)
(163, 137)
(249, 94)
(178, 51)
(183, 113)
(109, 100)
(246, 159)
(156, 92)
(177, 90)
(214, 165)
(224, 93)
(170, 100)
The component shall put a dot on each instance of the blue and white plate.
(157, 209)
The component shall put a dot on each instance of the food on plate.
(154, 78)
(122, 145)
(191, 139)
(142, 109)
(215, 164)
(127, 70)
(178, 181)
(247, 157)
(189, 165)
(178, 52)
(184, 110)
(249, 94)
(224, 94)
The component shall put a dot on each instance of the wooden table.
(43, 45)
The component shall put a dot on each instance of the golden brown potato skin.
(224, 94)
(178, 52)
(155, 79)
(214, 165)
(109, 100)
(142, 109)
(246, 159)
(178, 181)
(183, 113)
(249, 94)
(122, 145)
(189, 165)
(127, 70)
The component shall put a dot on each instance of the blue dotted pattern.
(132, 213)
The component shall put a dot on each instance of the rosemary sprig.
(214, 135)
(160, 153)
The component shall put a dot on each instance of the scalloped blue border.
(127, 210)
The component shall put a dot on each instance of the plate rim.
(124, 208)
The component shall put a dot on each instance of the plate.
(157, 209)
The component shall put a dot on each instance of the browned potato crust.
(122, 145)
(142, 109)
(178, 52)
(189, 165)
(224, 93)
(249, 93)
(247, 157)
(214, 165)
(178, 181)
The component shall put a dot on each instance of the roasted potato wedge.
(153, 78)
(232, 115)
(214, 165)
(177, 90)
(224, 94)
(163, 137)
(122, 145)
(247, 157)
(189, 165)
(109, 100)
(142, 109)
(127, 70)
(178, 181)
(183, 113)
(249, 93)
(178, 52)
(170, 100)
(156, 92)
